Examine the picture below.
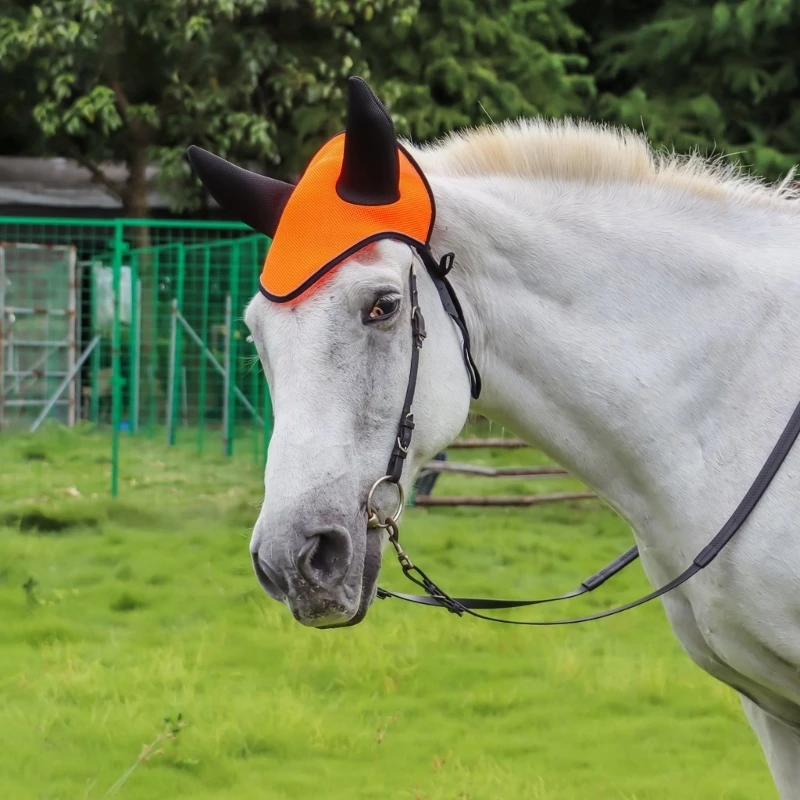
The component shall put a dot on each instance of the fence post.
(171, 393)
(185, 397)
(152, 366)
(231, 365)
(201, 399)
(94, 399)
(72, 335)
(176, 343)
(116, 376)
(226, 388)
(135, 345)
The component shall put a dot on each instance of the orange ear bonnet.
(361, 186)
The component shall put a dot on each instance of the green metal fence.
(155, 344)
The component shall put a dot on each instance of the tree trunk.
(136, 191)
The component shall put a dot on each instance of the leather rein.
(436, 596)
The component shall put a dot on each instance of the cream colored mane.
(588, 152)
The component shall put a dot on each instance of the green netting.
(154, 335)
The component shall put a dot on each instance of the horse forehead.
(310, 327)
(317, 321)
(271, 319)
(333, 294)
(312, 334)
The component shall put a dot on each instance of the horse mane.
(598, 154)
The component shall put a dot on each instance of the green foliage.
(412, 703)
(137, 80)
(262, 81)
(723, 75)
(460, 63)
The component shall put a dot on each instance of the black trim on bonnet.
(326, 268)
(306, 285)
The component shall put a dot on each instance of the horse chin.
(367, 596)
(369, 582)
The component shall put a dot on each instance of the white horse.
(636, 316)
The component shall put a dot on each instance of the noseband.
(434, 595)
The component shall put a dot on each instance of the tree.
(136, 81)
(461, 63)
(721, 75)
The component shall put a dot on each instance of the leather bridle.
(434, 595)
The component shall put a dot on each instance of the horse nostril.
(269, 580)
(324, 559)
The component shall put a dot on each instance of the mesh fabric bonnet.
(361, 186)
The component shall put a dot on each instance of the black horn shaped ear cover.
(256, 200)
(370, 173)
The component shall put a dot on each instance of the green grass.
(117, 614)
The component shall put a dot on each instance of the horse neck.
(631, 334)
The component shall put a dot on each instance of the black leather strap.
(475, 603)
(406, 426)
(436, 596)
(438, 272)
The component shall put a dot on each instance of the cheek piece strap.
(438, 272)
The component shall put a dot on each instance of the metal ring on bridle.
(372, 517)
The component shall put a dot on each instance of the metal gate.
(38, 333)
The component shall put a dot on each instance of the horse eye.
(383, 307)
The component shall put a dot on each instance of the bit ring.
(372, 517)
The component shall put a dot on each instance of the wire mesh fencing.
(132, 325)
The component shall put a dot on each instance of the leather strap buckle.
(418, 326)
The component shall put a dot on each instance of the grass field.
(115, 615)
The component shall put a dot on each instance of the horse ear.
(370, 173)
(255, 199)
